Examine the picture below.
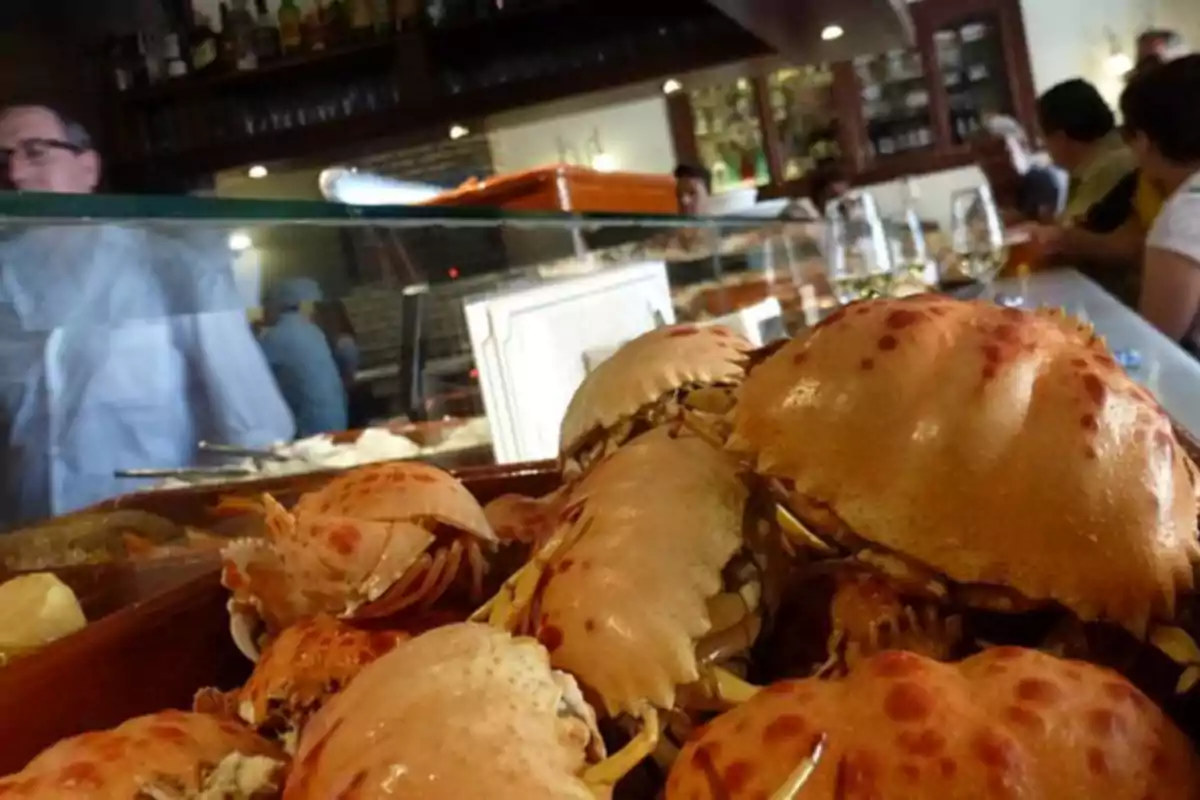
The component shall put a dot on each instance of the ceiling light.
(258, 171)
(1118, 64)
(239, 242)
(671, 86)
(458, 131)
(832, 32)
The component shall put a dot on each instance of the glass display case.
(153, 306)
(971, 57)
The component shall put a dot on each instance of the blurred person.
(693, 189)
(1035, 193)
(1155, 47)
(828, 184)
(1099, 232)
(1162, 119)
(302, 360)
(120, 347)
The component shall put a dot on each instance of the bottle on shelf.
(360, 18)
(266, 35)
(335, 19)
(205, 47)
(241, 34)
(407, 14)
(313, 26)
(382, 17)
(291, 30)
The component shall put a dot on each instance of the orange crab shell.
(1007, 723)
(528, 520)
(645, 369)
(299, 671)
(463, 711)
(348, 544)
(623, 607)
(989, 444)
(169, 754)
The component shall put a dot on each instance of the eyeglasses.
(36, 151)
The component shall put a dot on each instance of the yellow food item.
(35, 610)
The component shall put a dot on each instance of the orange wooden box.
(568, 188)
(159, 630)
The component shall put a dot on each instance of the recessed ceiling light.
(458, 131)
(239, 242)
(671, 86)
(257, 171)
(832, 32)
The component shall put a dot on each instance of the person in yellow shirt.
(1100, 232)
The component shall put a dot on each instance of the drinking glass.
(911, 261)
(980, 248)
(859, 264)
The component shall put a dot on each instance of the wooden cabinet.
(881, 116)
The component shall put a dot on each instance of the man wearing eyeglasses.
(121, 346)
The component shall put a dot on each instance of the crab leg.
(506, 608)
(454, 556)
(621, 763)
(721, 684)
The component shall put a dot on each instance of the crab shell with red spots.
(528, 520)
(646, 368)
(994, 446)
(1007, 723)
(463, 711)
(298, 672)
(653, 526)
(373, 542)
(170, 754)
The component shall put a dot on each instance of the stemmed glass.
(859, 263)
(980, 248)
(911, 261)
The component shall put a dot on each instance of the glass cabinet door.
(971, 56)
(895, 99)
(803, 112)
(729, 135)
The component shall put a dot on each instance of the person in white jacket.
(120, 346)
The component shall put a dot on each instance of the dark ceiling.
(793, 27)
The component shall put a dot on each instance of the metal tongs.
(193, 472)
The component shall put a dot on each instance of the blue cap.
(292, 293)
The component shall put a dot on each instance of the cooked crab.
(297, 674)
(374, 542)
(172, 755)
(649, 584)
(528, 520)
(1007, 723)
(463, 711)
(976, 457)
(645, 383)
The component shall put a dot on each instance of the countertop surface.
(1166, 369)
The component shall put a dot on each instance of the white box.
(534, 346)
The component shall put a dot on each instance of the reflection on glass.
(859, 264)
(802, 109)
(729, 136)
(910, 251)
(895, 102)
(971, 56)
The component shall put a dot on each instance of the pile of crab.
(931, 549)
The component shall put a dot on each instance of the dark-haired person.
(1003, 154)
(120, 347)
(693, 188)
(1156, 47)
(1099, 232)
(1162, 119)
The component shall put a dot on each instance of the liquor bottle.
(361, 18)
(241, 23)
(314, 27)
(205, 47)
(266, 35)
(291, 36)
(335, 18)
(381, 15)
(408, 14)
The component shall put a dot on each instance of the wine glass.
(980, 250)
(859, 263)
(911, 262)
